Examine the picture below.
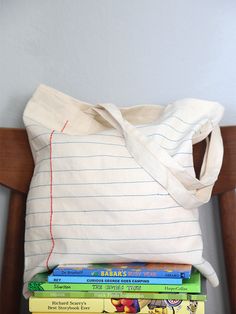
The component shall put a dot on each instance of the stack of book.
(110, 288)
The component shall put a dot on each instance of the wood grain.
(13, 258)
(16, 162)
(227, 203)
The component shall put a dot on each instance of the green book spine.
(107, 295)
(197, 297)
(39, 282)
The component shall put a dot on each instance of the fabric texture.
(117, 184)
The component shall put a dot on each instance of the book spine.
(107, 295)
(57, 305)
(36, 286)
(115, 280)
(128, 272)
(197, 297)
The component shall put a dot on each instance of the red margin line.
(51, 203)
(51, 196)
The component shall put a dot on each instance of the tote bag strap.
(186, 189)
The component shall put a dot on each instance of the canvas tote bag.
(117, 184)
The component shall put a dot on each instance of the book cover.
(115, 306)
(116, 280)
(39, 282)
(125, 270)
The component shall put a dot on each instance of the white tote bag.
(117, 184)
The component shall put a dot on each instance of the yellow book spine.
(95, 306)
(71, 305)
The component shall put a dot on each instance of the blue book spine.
(135, 269)
(114, 280)
(117, 272)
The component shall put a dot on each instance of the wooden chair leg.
(227, 202)
(11, 283)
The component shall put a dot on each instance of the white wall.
(126, 52)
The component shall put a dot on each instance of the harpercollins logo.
(170, 289)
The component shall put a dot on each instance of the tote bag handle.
(187, 190)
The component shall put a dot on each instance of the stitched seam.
(64, 126)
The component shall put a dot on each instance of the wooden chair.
(16, 168)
